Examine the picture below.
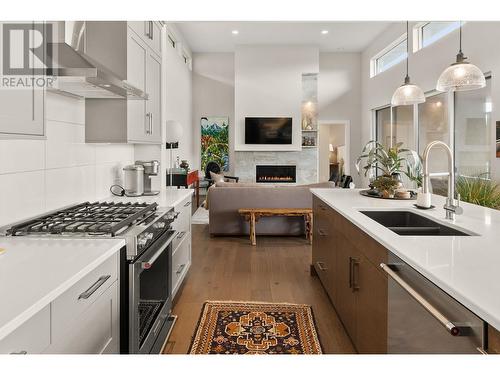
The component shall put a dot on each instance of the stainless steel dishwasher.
(424, 319)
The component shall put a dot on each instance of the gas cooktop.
(98, 218)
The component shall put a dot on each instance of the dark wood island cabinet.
(347, 261)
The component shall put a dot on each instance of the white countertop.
(467, 268)
(168, 197)
(34, 271)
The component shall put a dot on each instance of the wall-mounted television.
(268, 130)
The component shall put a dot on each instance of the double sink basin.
(408, 223)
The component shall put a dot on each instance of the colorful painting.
(215, 141)
(498, 139)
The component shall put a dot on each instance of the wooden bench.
(254, 214)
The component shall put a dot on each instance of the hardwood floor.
(230, 268)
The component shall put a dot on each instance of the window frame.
(418, 34)
(374, 60)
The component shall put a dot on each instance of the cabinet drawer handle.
(353, 279)
(322, 208)
(187, 204)
(147, 125)
(179, 270)
(150, 123)
(321, 266)
(93, 288)
(355, 274)
(181, 234)
(321, 232)
(20, 352)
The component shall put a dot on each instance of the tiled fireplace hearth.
(305, 163)
(276, 173)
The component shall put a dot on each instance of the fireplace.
(276, 173)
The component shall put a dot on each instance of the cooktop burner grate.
(98, 218)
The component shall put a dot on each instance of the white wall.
(41, 175)
(178, 103)
(213, 95)
(339, 95)
(268, 82)
(479, 44)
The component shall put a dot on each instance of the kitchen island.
(464, 267)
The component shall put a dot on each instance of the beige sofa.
(224, 200)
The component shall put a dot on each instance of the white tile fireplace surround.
(306, 162)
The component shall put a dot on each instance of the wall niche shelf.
(309, 110)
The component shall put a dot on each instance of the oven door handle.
(148, 263)
(447, 323)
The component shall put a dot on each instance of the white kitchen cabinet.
(33, 337)
(94, 331)
(130, 121)
(22, 104)
(150, 32)
(153, 85)
(181, 245)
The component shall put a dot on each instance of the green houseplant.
(386, 185)
(479, 190)
(391, 162)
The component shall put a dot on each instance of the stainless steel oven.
(150, 296)
(422, 318)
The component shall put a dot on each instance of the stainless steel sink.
(408, 223)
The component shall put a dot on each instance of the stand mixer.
(151, 168)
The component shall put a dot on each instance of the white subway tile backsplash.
(21, 195)
(67, 186)
(108, 174)
(66, 147)
(21, 155)
(64, 108)
(42, 175)
(106, 153)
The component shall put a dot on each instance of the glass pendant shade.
(461, 76)
(407, 94)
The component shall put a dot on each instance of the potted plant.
(386, 185)
(390, 162)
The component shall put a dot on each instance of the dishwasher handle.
(449, 325)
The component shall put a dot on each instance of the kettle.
(133, 180)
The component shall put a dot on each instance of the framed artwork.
(215, 141)
(498, 139)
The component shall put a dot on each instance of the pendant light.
(408, 93)
(461, 75)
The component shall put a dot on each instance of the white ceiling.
(342, 36)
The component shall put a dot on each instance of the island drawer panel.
(72, 303)
(30, 338)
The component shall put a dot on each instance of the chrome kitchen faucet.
(452, 206)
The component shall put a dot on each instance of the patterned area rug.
(255, 328)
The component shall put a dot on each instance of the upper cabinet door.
(22, 96)
(149, 32)
(153, 85)
(137, 122)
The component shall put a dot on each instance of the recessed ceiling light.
(324, 32)
(235, 32)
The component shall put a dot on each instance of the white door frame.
(347, 124)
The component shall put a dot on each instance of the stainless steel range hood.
(76, 60)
